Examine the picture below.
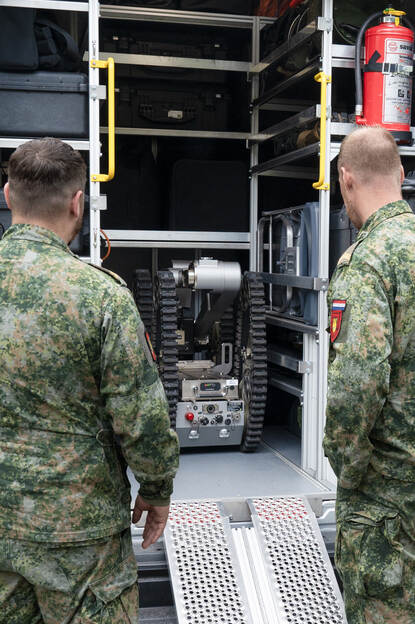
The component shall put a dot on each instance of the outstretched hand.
(155, 523)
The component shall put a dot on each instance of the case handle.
(322, 185)
(110, 66)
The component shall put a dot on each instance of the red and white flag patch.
(337, 309)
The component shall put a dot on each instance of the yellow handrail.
(108, 64)
(322, 185)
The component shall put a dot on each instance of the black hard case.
(44, 104)
(126, 40)
(172, 105)
(209, 195)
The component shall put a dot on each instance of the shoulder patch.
(114, 276)
(337, 309)
(347, 256)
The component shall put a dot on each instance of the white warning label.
(397, 95)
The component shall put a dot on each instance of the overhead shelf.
(278, 320)
(296, 155)
(176, 62)
(287, 358)
(287, 384)
(290, 82)
(181, 17)
(291, 280)
(288, 47)
(297, 121)
(189, 134)
(56, 5)
(158, 239)
(13, 142)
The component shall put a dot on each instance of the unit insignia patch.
(338, 307)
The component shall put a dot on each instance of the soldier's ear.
(76, 206)
(7, 194)
(402, 175)
(347, 178)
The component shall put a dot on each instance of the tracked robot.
(207, 325)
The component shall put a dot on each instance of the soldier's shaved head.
(44, 174)
(372, 155)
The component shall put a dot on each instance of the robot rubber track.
(250, 357)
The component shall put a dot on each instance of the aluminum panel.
(206, 582)
(303, 578)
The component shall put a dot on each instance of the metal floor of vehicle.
(219, 473)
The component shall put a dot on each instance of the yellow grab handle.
(108, 64)
(322, 185)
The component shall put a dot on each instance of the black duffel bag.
(235, 7)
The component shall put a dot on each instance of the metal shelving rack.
(192, 240)
(92, 146)
(312, 391)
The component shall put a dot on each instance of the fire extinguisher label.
(397, 93)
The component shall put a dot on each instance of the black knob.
(204, 421)
(219, 419)
(228, 421)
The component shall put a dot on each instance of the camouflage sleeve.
(135, 400)
(358, 375)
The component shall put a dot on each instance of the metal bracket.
(98, 202)
(321, 283)
(305, 368)
(325, 23)
(98, 92)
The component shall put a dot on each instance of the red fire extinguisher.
(389, 60)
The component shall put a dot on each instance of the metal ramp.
(273, 570)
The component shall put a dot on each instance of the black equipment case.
(126, 40)
(44, 104)
(234, 7)
(172, 105)
(209, 195)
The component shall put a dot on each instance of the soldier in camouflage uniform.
(76, 371)
(370, 429)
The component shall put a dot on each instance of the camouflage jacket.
(371, 381)
(80, 396)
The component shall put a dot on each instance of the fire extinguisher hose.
(358, 69)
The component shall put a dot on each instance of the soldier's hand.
(155, 523)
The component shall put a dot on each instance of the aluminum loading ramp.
(273, 570)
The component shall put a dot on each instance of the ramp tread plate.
(206, 581)
(303, 576)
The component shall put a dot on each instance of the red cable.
(109, 245)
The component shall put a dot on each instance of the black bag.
(44, 104)
(209, 196)
(134, 196)
(18, 49)
(235, 7)
(189, 107)
(57, 49)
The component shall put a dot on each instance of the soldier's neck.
(61, 229)
(371, 200)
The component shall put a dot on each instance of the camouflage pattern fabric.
(57, 584)
(370, 428)
(75, 372)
